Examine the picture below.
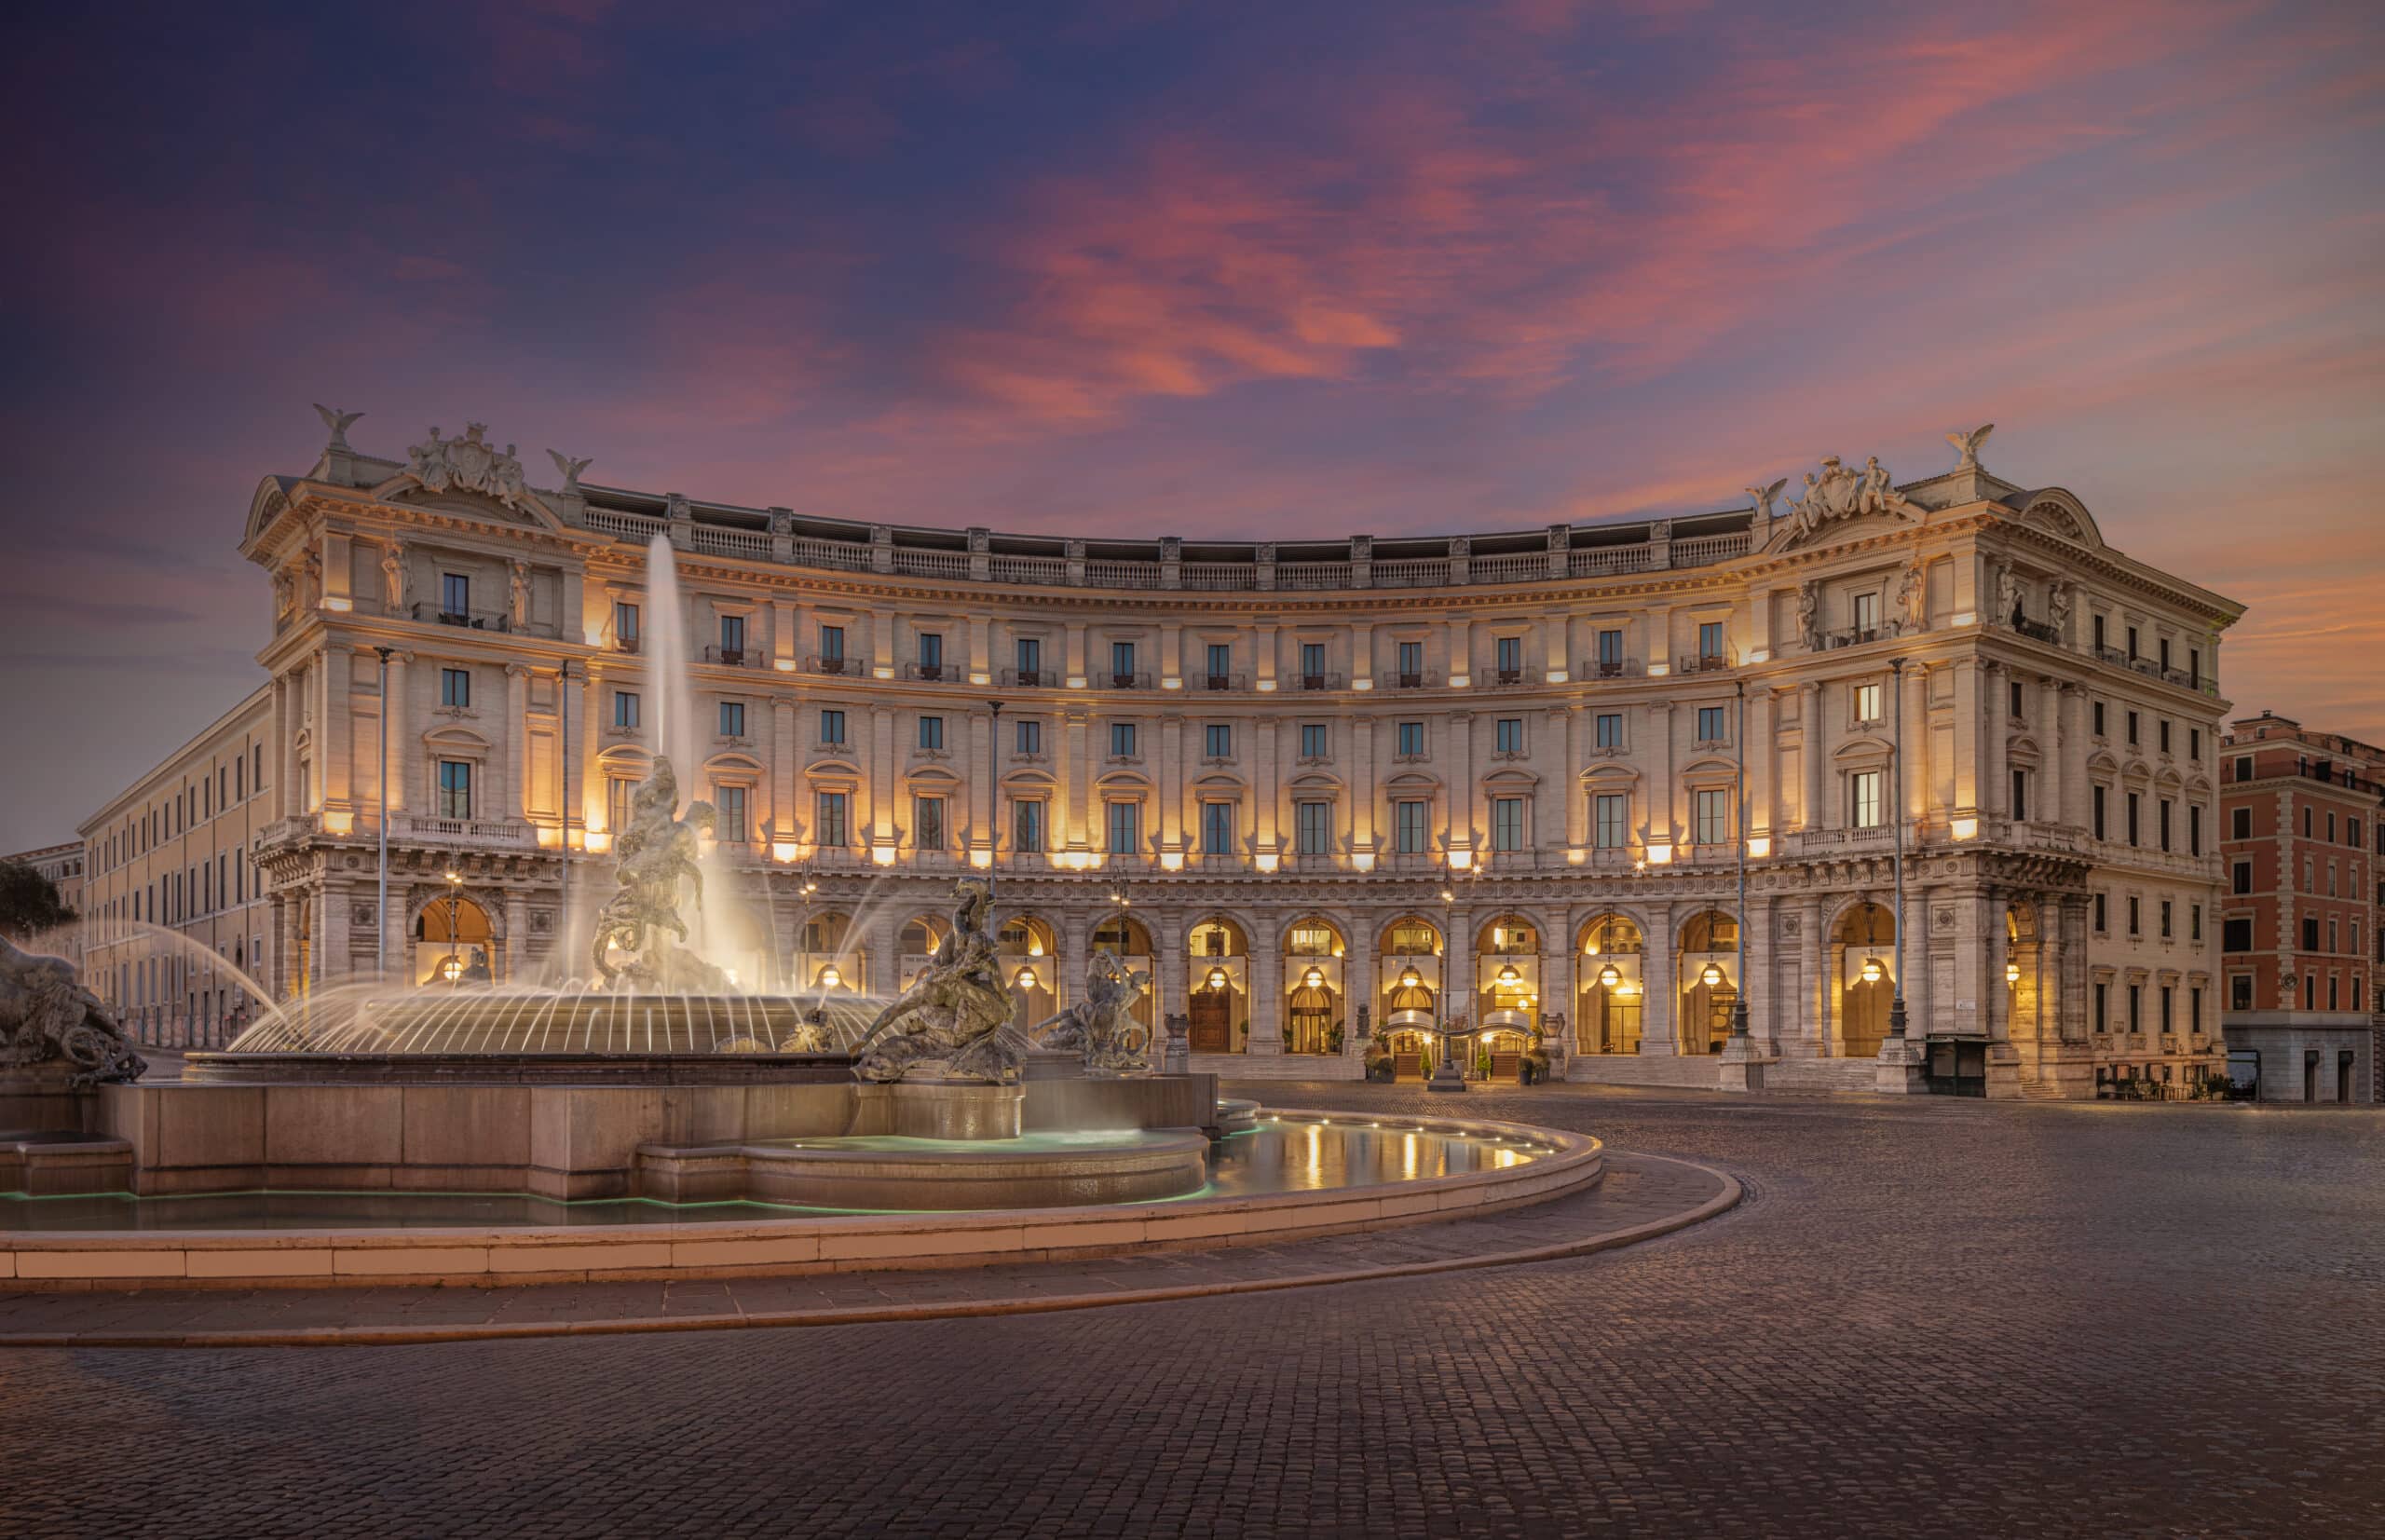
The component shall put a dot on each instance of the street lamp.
(453, 968)
(1872, 970)
(381, 901)
(994, 835)
(1739, 794)
(1896, 793)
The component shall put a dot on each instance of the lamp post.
(381, 901)
(1740, 828)
(563, 808)
(452, 969)
(994, 811)
(1896, 792)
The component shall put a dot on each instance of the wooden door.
(1212, 1026)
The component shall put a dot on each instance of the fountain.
(892, 1127)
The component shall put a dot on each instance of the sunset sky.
(1271, 270)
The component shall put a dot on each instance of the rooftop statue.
(46, 1016)
(1970, 444)
(955, 1013)
(1840, 493)
(657, 855)
(1112, 1042)
(467, 464)
(1764, 496)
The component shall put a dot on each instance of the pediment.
(405, 492)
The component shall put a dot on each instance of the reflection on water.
(1278, 1156)
(1304, 1155)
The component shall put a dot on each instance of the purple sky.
(1204, 268)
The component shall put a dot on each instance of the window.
(2162, 735)
(1412, 739)
(2240, 991)
(732, 718)
(2103, 915)
(455, 788)
(1315, 821)
(1611, 819)
(618, 790)
(1863, 799)
(1867, 702)
(832, 645)
(1217, 740)
(1411, 663)
(1125, 821)
(1221, 662)
(2194, 922)
(1709, 640)
(1506, 823)
(625, 708)
(1509, 653)
(2236, 933)
(2020, 794)
(2103, 1007)
(2310, 932)
(1313, 740)
(456, 687)
(932, 654)
(2194, 829)
(927, 823)
(1509, 735)
(2240, 823)
(2161, 821)
(2136, 1007)
(932, 732)
(1026, 737)
(1121, 661)
(828, 819)
(2307, 830)
(2097, 797)
(455, 595)
(2103, 633)
(1610, 652)
(625, 626)
(1710, 728)
(2194, 667)
(832, 727)
(729, 806)
(732, 638)
(2014, 703)
(2164, 646)
(1867, 616)
(2131, 640)
(1122, 740)
(2132, 727)
(1028, 653)
(2242, 872)
(2351, 832)
(1411, 820)
(1026, 826)
(2135, 802)
(2095, 717)
(2194, 1009)
(1216, 828)
(1713, 813)
(2136, 915)
(1609, 729)
(1313, 661)
(2167, 933)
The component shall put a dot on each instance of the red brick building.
(2301, 939)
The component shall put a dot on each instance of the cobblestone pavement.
(1637, 1191)
(1931, 1317)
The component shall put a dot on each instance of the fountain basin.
(1296, 1175)
(1035, 1171)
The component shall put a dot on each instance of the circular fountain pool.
(1291, 1174)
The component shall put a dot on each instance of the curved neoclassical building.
(1345, 788)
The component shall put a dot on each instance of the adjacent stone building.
(2304, 817)
(62, 864)
(1333, 790)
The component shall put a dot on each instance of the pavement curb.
(362, 1336)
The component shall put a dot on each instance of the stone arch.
(1863, 937)
(1609, 984)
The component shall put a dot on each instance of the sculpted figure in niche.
(393, 577)
(1913, 598)
(2008, 597)
(1809, 613)
(2058, 609)
(519, 595)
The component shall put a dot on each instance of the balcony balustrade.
(735, 657)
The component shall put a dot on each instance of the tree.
(29, 902)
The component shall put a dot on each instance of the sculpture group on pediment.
(1840, 493)
(469, 464)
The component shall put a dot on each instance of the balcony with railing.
(1314, 682)
(1705, 662)
(938, 673)
(1425, 679)
(1611, 668)
(480, 833)
(834, 666)
(1029, 678)
(1851, 636)
(1138, 679)
(472, 619)
(735, 657)
(1507, 678)
(1231, 680)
